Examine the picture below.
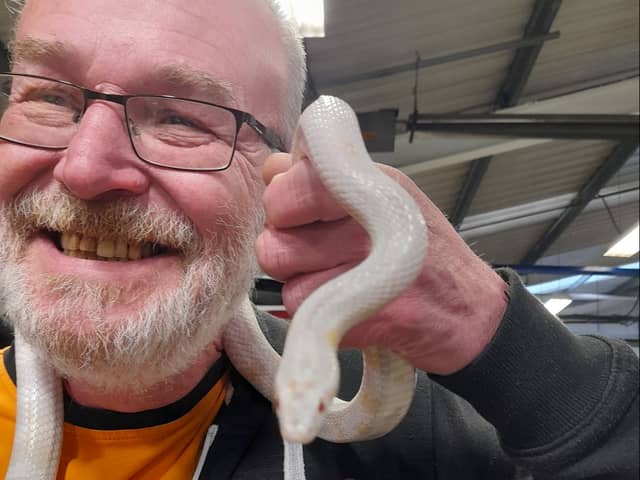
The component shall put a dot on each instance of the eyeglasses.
(167, 131)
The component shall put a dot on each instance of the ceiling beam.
(439, 60)
(470, 187)
(566, 270)
(601, 81)
(542, 211)
(601, 297)
(563, 126)
(630, 287)
(589, 190)
(587, 318)
(432, 151)
(542, 17)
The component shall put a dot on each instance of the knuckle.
(274, 255)
(262, 250)
(298, 197)
(272, 202)
(293, 293)
(281, 264)
(275, 164)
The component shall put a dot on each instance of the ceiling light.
(308, 15)
(556, 305)
(627, 246)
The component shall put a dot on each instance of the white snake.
(302, 384)
(37, 440)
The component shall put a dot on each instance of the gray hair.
(14, 6)
(297, 70)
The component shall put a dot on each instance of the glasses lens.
(181, 133)
(39, 112)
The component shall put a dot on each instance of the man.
(158, 185)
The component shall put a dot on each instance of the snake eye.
(321, 407)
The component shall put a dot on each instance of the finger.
(297, 197)
(285, 253)
(298, 288)
(275, 164)
(380, 329)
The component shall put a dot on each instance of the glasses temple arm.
(270, 137)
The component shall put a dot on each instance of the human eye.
(54, 98)
(57, 98)
(41, 92)
(46, 102)
(183, 128)
(180, 120)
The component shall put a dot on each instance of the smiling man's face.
(183, 240)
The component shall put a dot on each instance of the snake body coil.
(39, 416)
(307, 378)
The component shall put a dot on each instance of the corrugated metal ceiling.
(441, 89)
(593, 227)
(596, 227)
(599, 39)
(539, 172)
(367, 36)
(363, 36)
(508, 247)
(443, 185)
(628, 175)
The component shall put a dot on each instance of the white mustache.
(56, 211)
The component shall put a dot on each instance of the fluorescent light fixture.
(556, 305)
(308, 15)
(627, 246)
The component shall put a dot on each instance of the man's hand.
(440, 324)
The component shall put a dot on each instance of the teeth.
(80, 246)
(106, 248)
(135, 251)
(121, 249)
(88, 244)
(73, 241)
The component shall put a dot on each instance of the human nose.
(100, 160)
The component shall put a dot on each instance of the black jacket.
(538, 403)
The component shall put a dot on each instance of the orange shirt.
(152, 449)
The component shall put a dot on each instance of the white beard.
(168, 330)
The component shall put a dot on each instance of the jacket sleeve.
(564, 406)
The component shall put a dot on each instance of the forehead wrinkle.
(32, 49)
(192, 79)
(36, 50)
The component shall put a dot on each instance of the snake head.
(303, 397)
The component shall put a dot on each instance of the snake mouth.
(89, 247)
